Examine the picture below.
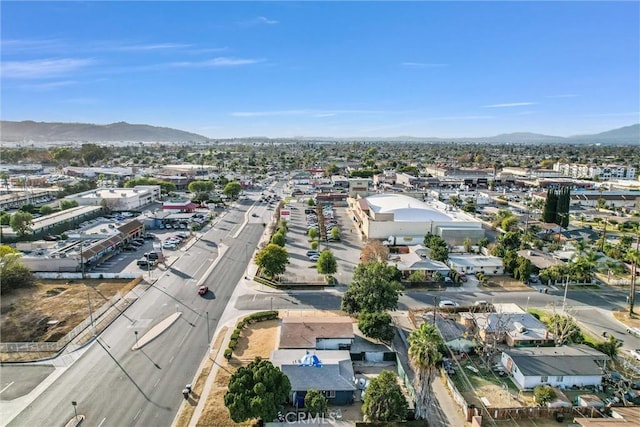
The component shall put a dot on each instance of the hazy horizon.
(332, 70)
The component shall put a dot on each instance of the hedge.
(252, 318)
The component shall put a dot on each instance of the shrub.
(227, 353)
(543, 394)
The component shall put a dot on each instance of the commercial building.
(602, 172)
(383, 215)
(118, 199)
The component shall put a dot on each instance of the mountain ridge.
(32, 131)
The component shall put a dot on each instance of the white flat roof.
(405, 208)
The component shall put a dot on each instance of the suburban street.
(115, 386)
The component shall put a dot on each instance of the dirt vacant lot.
(49, 310)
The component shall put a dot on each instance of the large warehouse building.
(384, 216)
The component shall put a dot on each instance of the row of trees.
(13, 274)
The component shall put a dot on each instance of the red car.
(203, 290)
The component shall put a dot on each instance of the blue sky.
(375, 69)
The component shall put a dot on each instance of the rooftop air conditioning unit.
(519, 327)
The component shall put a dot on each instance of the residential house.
(472, 264)
(417, 260)
(565, 366)
(328, 371)
(516, 329)
(319, 333)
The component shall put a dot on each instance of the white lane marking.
(156, 384)
(137, 414)
(7, 386)
(101, 422)
(182, 340)
(171, 360)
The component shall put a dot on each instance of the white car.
(447, 304)
(635, 353)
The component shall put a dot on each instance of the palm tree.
(633, 255)
(424, 355)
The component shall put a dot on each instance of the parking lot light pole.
(75, 412)
(136, 334)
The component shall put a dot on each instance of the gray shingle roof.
(328, 377)
(558, 361)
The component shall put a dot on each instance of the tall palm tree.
(424, 355)
(633, 255)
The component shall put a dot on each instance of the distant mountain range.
(30, 131)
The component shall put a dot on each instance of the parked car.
(311, 252)
(314, 257)
(635, 353)
(153, 256)
(448, 304)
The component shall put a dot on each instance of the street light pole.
(564, 299)
(208, 334)
(136, 334)
(90, 312)
(74, 403)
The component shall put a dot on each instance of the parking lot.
(301, 268)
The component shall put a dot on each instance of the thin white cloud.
(509, 105)
(422, 65)
(151, 47)
(42, 68)
(22, 45)
(267, 21)
(50, 85)
(461, 118)
(566, 95)
(311, 113)
(216, 62)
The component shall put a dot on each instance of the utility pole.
(634, 270)
(90, 312)
(564, 299)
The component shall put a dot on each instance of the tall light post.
(208, 334)
(90, 312)
(74, 404)
(564, 299)
(136, 334)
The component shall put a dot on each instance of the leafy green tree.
(331, 169)
(523, 269)
(509, 224)
(384, 400)
(484, 242)
(256, 391)
(68, 204)
(327, 263)
(21, 222)
(5, 218)
(315, 402)
(313, 233)
(416, 276)
(468, 244)
(201, 186)
(510, 260)
(543, 394)
(92, 153)
(273, 260)
(311, 202)
(438, 248)
(550, 209)
(375, 287)
(166, 187)
(335, 233)
(278, 239)
(610, 347)
(45, 210)
(4, 179)
(376, 325)
(424, 355)
(564, 330)
(232, 190)
(12, 272)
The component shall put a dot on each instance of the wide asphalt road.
(115, 386)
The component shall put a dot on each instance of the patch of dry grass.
(507, 283)
(623, 316)
(49, 310)
(257, 340)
